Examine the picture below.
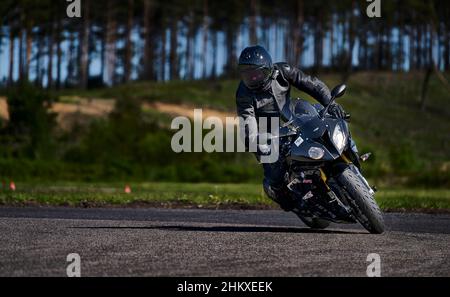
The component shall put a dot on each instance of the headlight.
(339, 138)
(316, 153)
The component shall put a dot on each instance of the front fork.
(333, 197)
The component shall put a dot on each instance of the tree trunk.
(266, 22)
(29, 44)
(214, 42)
(418, 54)
(344, 37)
(163, 53)
(110, 57)
(230, 68)
(84, 58)
(205, 37)
(51, 45)
(173, 58)
(129, 44)
(423, 49)
(352, 34)
(379, 51)
(11, 57)
(43, 67)
(430, 67)
(363, 54)
(1, 46)
(148, 41)
(425, 62)
(318, 43)
(332, 42)
(40, 47)
(447, 48)
(431, 37)
(400, 43)
(287, 40)
(277, 35)
(190, 47)
(253, 20)
(103, 50)
(1, 37)
(385, 62)
(412, 61)
(425, 84)
(21, 66)
(298, 33)
(58, 53)
(439, 47)
(389, 63)
(71, 59)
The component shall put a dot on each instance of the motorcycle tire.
(368, 212)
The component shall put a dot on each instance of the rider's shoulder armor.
(284, 68)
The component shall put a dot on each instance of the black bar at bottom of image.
(242, 286)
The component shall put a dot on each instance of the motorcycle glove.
(337, 111)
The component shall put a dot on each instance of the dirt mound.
(73, 111)
(187, 110)
(81, 111)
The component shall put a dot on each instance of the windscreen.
(304, 110)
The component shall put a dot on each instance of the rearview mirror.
(338, 91)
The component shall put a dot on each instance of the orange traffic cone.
(127, 189)
(12, 186)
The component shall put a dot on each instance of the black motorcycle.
(324, 177)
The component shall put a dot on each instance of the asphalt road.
(163, 242)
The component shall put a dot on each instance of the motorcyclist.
(264, 91)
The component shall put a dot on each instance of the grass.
(414, 199)
(194, 194)
(201, 195)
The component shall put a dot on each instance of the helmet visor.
(254, 76)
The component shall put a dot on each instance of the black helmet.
(255, 67)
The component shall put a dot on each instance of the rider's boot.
(280, 195)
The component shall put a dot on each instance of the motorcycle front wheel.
(367, 211)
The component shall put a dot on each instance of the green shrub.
(430, 179)
(404, 159)
(28, 133)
